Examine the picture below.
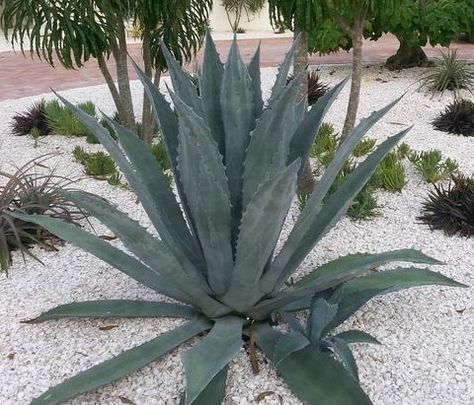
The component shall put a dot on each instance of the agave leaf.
(117, 308)
(205, 184)
(169, 127)
(158, 195)
(268, 149)
(306, 234)
(343, 354)
(347, 267)
(306, 132)
(314, 377)
(183, 86)
(137, 239)
(357, 336)
(238, 117)
(210, 356)
(356, 293)
(214, 393)
(294, 324)
(121, 365)
(166, 218)
(283, 70)
(342, 155)
(210, 88)
(261, 226)
(165, 116)
(111, 255)
(254, 72)
(320, 315)
(288, 343)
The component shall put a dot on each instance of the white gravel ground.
(427, 333)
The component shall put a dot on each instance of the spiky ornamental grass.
(28, 192)
(450, 74)
(235, 162)
(316, 88)
(451, 208)
(457, 118)
(24, 123)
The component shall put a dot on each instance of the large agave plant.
(235, 162)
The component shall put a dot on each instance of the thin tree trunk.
(147, 117)
(306, 180)
(111, 85)
(356, 80)
(123, 79)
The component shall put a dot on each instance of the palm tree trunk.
(111, 85)
(353, 105)
(123, 79)
(306, 179)
(147, 117)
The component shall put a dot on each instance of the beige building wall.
(258, 22)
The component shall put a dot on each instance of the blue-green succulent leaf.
(342, 155)
(209, 357)
(139, 241)
(158, 197)
(117, 308)
(307, 233)
(346, 267)
(343, 354)
(214, 393)
(261, 226)
(308, 128)
(320, 315)
(121, 365)
(313, 376)
(210, 89)
(108, 253)
(183, 86)
(254, 72)
(238, 117)
(356, 293)
(205, 184)
(288, 343)
(267, 153)
(169, 127)
(283, 70)
(357, 336)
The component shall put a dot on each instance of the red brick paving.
(25, 76)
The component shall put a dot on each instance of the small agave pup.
(235, 162)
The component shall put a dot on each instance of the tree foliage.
(76, 31)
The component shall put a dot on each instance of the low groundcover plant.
(235, 162)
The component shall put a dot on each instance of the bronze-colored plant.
(29, 191)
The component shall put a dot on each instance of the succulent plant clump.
(451, 208)
(235, 160)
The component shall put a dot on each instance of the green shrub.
(451, 74)
(95, 164)
(390, 174)
(451, 208)
(28, 192)
(364, 206)
(216, 251)
(62, 121)
(432, 166)
(403, 151)
(457, 118)
(325, 144)
(364, 147)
